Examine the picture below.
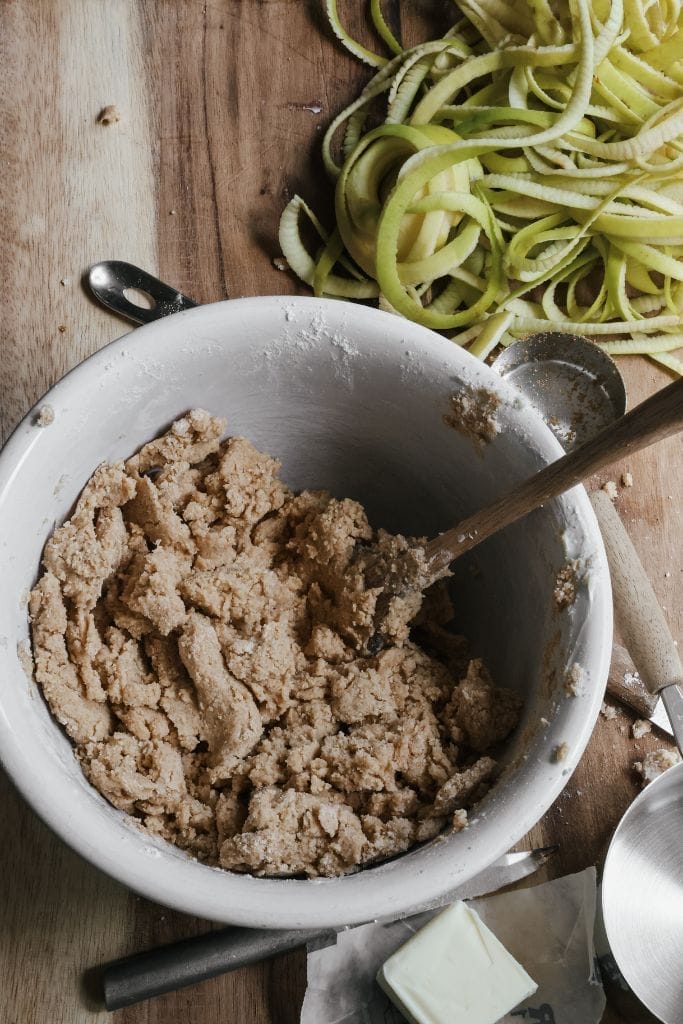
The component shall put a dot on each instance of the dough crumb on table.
(655, 763)
(205, 636)
(640, 728)
(109, 115)
(610, 489)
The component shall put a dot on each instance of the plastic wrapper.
(548, 928)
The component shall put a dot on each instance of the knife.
(189, 961)
(624, 683)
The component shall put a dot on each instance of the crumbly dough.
(566, 583)
(573, 680)
(655, 763)
(641, 727)
(205, 636)
(560, 752)
(109, 115)
(474, 414)
(46, 416)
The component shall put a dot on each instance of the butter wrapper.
(548, 928)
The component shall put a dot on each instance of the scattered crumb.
(171, 213)
(64, 281)
(655, 763)
(61, 328)
(627, 479)
(667, 575)
(314, 107)
(544, 721)
(640, 728)
(565, 585)
(610, 489)
(632, 679)
(573, 680)
(607, 711)
(474, 414)
(109, 115)
(46, 416)
(25, 658)
(560, 752)
(280, 263)
(459, 820)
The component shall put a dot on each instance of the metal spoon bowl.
(642, 896)
(575, 386)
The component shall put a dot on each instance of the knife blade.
(189, 961)
(660, 717)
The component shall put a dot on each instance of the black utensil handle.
(184, 963)
(110, 280)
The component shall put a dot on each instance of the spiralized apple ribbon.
(528, 176)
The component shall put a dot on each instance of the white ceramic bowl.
(350, 399)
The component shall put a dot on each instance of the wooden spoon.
(658, 417)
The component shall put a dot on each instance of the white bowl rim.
(290, 903)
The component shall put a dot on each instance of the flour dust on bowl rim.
(353, 400)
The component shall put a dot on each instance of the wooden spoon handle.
(658, 417)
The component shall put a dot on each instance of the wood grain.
(214, 135)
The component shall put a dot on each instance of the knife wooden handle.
(627, 689)
(638, 612)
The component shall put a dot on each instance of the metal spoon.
(117, 285)
(575, 386)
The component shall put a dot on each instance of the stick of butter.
(455, 971)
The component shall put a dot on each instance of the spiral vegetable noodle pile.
(528, 174)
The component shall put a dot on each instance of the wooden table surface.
(219, 125)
